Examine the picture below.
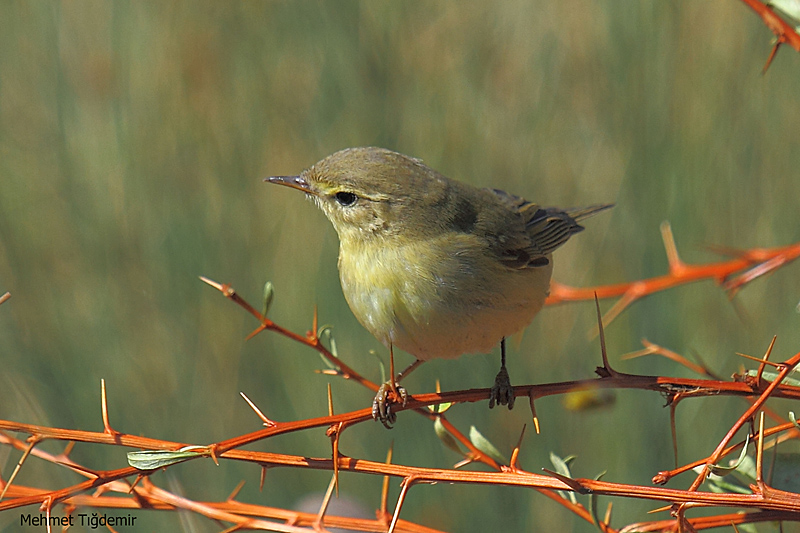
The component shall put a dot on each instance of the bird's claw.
(502, 392)
(382, 405)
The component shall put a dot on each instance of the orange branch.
(754, 263)
(746, 266)
(782, 30)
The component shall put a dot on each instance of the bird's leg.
(382, 405)
(502, 391)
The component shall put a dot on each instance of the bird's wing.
(546, 228)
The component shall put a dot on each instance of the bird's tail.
(581, 213)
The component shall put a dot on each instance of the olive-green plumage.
(433, 266)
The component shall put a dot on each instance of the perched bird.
(431, 265)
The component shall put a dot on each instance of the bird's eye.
(345, 198)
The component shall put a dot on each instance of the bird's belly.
(477, 330)
(442, 309)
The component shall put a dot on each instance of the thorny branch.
(784, 32)
(766, 503)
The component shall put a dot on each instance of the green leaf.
(793, 419)
(483, 444)
(334, 350)
(154, 459)
(561, 466)
(269, 295)
(747, 470)
(772, 376)
(790, 7)
(440, 408)
(326, 332)
(745, 473)
(445, 436)
(725, 470)
(719, 484)
(593, 502)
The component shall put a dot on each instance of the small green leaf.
(440, 408)
(747, 470)
(269, 295)
(790, 7)
(719, 484)
(334, 350)
(593, 502)
(326, 332)
(154, 459)
(793, 419)
(483, 444)
(729, 484)
(725, 470)
(772, 376)
(445, 436)
(561, 466)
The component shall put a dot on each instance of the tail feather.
(551, 227)
(581, 213)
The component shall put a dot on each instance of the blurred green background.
(133, 140)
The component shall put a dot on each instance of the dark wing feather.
(547, 228)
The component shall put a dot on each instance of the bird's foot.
(389, 394)
(502, 391)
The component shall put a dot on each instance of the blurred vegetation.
(133, 140)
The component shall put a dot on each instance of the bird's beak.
(295, 182)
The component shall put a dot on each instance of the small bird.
(433, 266)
